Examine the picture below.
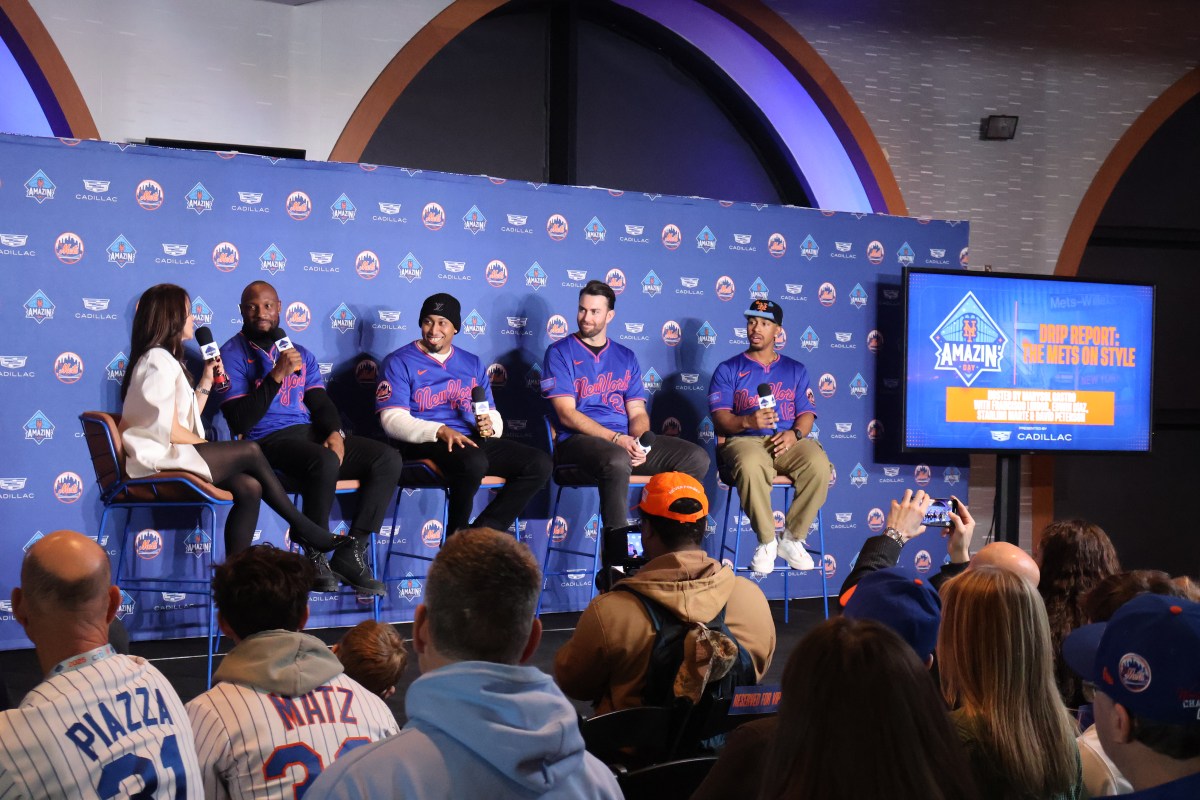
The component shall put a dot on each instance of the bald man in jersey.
(101, 723)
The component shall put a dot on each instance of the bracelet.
(203, 391)
(616, 436)
(895, 535)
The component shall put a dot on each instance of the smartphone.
(938, 514)
(633, 545)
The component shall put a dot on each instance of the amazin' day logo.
(809, 249)
(121, 252)
(39, 308)
(706, 241)
(474, 220)
(199, 200)
(969, 342)
(535, 277)
(40, 188)
(342, 319)
(273, 260)
(343, 209)
(410, 268)
(595, 231)
(474, 325)
(39, 428)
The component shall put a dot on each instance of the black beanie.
(444, 305)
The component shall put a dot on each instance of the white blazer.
(158, 390)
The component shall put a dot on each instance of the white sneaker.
(763, 561)
(794, 554)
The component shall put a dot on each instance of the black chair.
(671, 780)
(633, 737)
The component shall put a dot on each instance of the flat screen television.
(1003, 362)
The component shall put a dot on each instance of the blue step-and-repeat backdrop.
(353, 250)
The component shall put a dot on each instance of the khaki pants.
(754, 468)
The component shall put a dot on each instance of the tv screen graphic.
(1005, 362)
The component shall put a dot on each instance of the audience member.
(1010, 558)
(903, 524)
(855, 689)
(1144, 665)
(606, 660)
(997, 671)
(101, 724)
(1073, 555)
(373, 654)
(283, 710)
(906, 604)
(480, 725)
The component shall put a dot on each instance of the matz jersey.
(112, 727)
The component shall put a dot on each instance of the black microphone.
(479, 403)
(282, 342)
(646, 441)
(211, 352)
(766, 399)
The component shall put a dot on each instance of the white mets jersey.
(254, 745)
(105, 725)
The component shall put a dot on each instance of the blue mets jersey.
(247, 364)
(428, 389)
(601, 384)
(735, 384)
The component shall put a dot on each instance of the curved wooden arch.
(1113, 168)
(763, 24)
(57, 84)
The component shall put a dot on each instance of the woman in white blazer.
(161, 428)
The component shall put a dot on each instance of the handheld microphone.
(282, 343)
(211, 352)
(646, 441)
(479, 403)
(766, 399)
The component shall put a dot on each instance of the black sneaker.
(349, 565)
(324, 580)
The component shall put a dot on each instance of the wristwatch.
(341, 433)
(895, 535)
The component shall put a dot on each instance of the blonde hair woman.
(997, 672)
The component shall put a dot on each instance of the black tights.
(240, 468)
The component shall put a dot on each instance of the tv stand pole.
(1008, 498)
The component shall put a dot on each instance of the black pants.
(608, 464)
(313, 468)
(525, 471)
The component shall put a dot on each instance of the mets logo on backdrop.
(671, 427)
(343, 209)
(876, 519)
(827, 385)
(535, 277)
(148, 544)
(199, 200)
(651, 381)
(874, 340)
(496, 273)
(922, 562)
(149, 194)
(781, 338)
(68, 487)
(410, 268)
(497, 375)
(706, 240)
(433, 216)
(40, 187)
(474, 325)
(366, 372)
(969, 342)
(556, 327)
(829, 564)
(832, 475)
(594, 232)
(671, 236)
(225, 256)
(651, 284)
(342, 319)
(827, 295)
(272, 260)
(298, 205)
(808, 248)
(69, 248)
(875, 252)
(922, 474)
(706, 336)
(121, 252)
(776, 245)
(556, 227)
(202, 311)
(615, 280)
(298, 317)
(905, 255)
(964, 257)
(431, 533)
(115, 371)
(809, 340)
(557, 529)
(474, 220)
(366, 264)
(68, 367)
(725, 288)
(874, 429)
(672, 334)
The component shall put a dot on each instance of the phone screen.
(938, 515)
(633, 545)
